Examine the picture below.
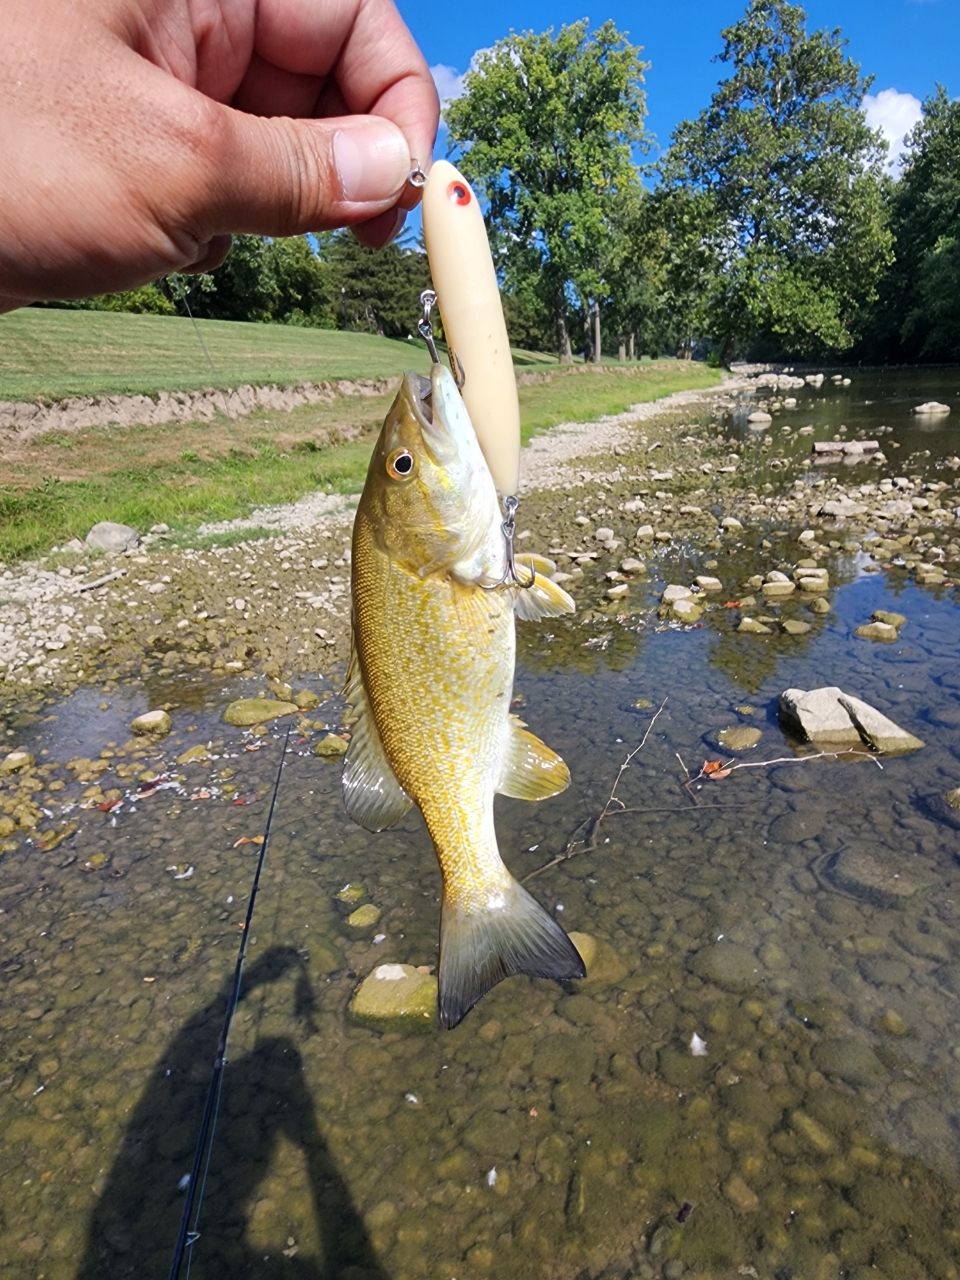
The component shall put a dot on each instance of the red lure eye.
(459, 193)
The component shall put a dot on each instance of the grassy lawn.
(48, 354)
(55, 487)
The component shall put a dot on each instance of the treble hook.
(510, 577)
(428, 300)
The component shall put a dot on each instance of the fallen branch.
(101, 582)
(726, 769)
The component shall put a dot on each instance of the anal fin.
(543, 598)
(372, 795)
(531, 771)
(479, 949)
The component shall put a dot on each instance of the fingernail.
(372, 160)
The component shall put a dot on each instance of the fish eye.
(458, 193)
(401, 464)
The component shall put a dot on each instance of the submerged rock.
(246, 712)
(156, 723)
(859, 874)
(364, 917)
(14, 761)
(891, 619)
(752, 627)
(396, 995)
(739, 737)
(881, 631)
(604, 967)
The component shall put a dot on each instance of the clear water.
(819, 1135)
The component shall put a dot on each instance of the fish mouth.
(441, 415)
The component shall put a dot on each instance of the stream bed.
(560, 1131)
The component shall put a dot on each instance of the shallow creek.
(558, 1131)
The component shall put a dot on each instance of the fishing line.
(175, 283)
(187, 1236)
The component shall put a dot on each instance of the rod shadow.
(265, 1099)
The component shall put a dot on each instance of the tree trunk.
(587, 339)
(622, 351)
(632, 347)
(597, 348)
(726, 351)
(564, 352)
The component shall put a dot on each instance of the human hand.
(136, 135)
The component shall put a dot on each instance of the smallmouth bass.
(430, 682)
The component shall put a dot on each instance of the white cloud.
(894, 114)
(449, 84)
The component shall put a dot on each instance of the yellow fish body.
(430, 683)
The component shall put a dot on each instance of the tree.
(546, 127)
(918, 312)
(378, 292)
(789, 177)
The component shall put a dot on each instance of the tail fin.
(480, 949)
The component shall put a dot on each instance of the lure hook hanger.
(428, 300)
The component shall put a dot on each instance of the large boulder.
(831, 717)
(112, 538)
(931, 408)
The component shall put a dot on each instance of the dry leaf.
(248, 840)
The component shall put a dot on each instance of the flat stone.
(194, 755)
(759, 418)
(675, 592)
(153, 723)
(618, 592)
(630, 565)
(752, 627)
(603, 535)
(246, 712)
(864, 877)
(396, 995)
(813, 586)
(794, 627)
(851, 1060)
(686, 610)
(604, 966)
(364, 917)
(706, 583)
(112, 538)
(876, 729)
(743, 1199)
(730, 522)
(331, 747)
(881, 631)
(739, 737)
(730, 966)
(932, 407)
(777, 590)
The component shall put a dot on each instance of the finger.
(210, 256)
(377, 233)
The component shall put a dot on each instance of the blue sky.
(907, 45)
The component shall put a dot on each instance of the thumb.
(280, 177)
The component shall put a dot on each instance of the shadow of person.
(265, 1100)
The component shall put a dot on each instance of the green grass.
(182, 495)
(572, 396)
(48, 354)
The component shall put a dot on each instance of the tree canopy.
(787, 179)
(547, 126)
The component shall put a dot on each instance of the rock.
(820, 605)
(794, 627)
(730, 966)
(603, 535)
(332, 747)
(876, 631)
(730, 522)
(815, 1136)
(246, 712)
(364, 917)
(752, 627)
(891, 619)
(759, 418)
(706, 583)
(194, 755)
(14, 761)
(679, 1068)
(350, 894)
(645, 532)
(818, 716)
(953, 798)
(932, 407)
(306, 699)
(604, 966)
(882, 734)
(587, 946)
(675, 592)
(687, 611)
(155, 723)
(396, 995)
(778, 590)
(740, 1196)
(813, 586)
(740, 737)
(631, 565)
(842, 508)
(851, 1060)
(112, 538)
(864, 877)
(618, 592)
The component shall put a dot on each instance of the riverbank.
(651, 485)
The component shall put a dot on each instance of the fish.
(430, 682)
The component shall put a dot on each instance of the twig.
(592, 824)
(762, 764)
(101, 582)
(689, 779)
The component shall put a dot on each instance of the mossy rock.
(332, 747)
(396, 996)
(246, 712)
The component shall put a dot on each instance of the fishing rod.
(186, 1236)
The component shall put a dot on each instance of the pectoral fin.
(544, 599)
(371, 793)
(531, 771)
